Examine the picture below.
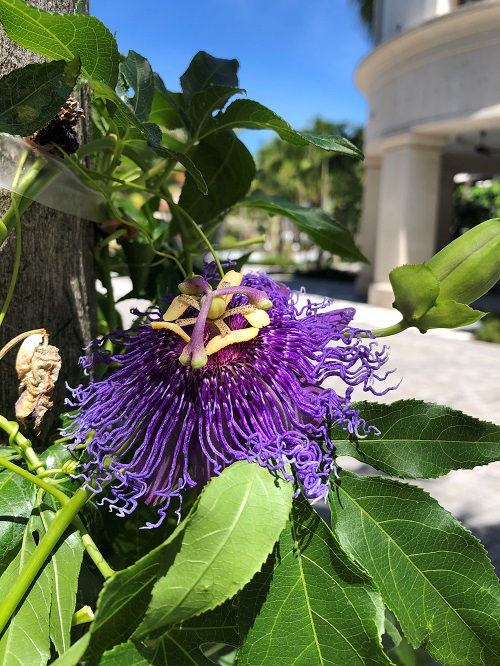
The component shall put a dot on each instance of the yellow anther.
(171, 327)
(257, 318)
(179, 306)
(230, 279)
(219, 342)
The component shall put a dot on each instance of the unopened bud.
(469, 266)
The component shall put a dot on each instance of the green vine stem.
(88, 543)
(20, 444)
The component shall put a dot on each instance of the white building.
(433, 88)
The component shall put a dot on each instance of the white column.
(407, 212)
(369, 218)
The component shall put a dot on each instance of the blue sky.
(296, 57)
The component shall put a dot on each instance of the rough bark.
(55, 288)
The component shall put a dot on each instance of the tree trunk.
(55, 287)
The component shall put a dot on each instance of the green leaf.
(311, 604)
(205, 104)
(432, 573)
(125, 119)
(420, 440)
(326, 232)
(245, 504)
(227, 168)
(187, 644)
(62, 37)
(245, 113)
(63, 569)
(31, 96)
(416, 289)
(73, 656)
(17, 497)
(126, 654)
(139, 76)
(165, 109)
(205, 70)
(26, 639)
(448, 314)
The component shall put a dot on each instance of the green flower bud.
(469, 266)
(416, 290)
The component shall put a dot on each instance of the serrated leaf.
(214, 561)
(205, 70)
(205, 103)
(448, 314)
(324, 230)
(32, 95)
(185, 645)
(248, 114)
(312, 599)
(26, 639)
(420, 440)
(432, 573)
(125, 654)
(63, 569)
(227, 168)
(139, 76)
(62, 37)
(17, 497)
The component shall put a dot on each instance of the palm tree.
(366, 10)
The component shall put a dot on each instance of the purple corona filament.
(161, 423)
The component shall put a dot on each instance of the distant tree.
(366, 11)
(310, 177)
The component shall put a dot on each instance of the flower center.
(212, 309)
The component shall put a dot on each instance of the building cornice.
(436, 38)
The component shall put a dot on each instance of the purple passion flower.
(239, 378)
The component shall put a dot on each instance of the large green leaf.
(166, 106)
(63, 569)
(420, 440)
(246, 504)
(228, 170)
(26, 639)
(324, 230)
(31, 96)
(17, 496)
(245, 113)
(139, 76)
(432, 573)
(205, 70)
(126, 596)
(62, 37)
(311, 604)
(205, 104)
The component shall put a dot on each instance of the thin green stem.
(392, 330)
(17, 261)
(200, 233)
(251, 241)
(62, 520)
(28, 188)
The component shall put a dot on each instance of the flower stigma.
(211, 308)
